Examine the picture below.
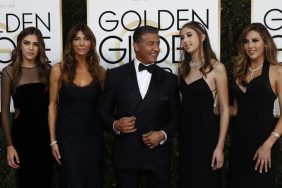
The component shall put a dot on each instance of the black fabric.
(198, 136)
(131, 178)
(80, 136)
(30, 132)
(253, 125)
(157, 111)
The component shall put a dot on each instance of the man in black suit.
(145, 99)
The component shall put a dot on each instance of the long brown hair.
(69, 63)
(242, 61)
(41, 60)
(207, 52)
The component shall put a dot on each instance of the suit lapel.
(132, 84)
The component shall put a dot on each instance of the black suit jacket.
(157, 111)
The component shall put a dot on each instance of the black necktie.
(149, 68)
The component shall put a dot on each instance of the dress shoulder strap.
(265, 68)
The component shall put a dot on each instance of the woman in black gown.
(75, 86)
(26, 80)
(254, 145)
(202, 78)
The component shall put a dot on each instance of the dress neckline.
(86, 85)
(29, 67)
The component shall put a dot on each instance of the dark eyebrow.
(252, 38)
(188, 32)
(30, 41)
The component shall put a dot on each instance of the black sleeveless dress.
(80, 136)
(30, 136)
(198, 136)
(253, 125)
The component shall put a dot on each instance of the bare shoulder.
(56, 67)
(55, 71)
(277, 70)
(218, 66)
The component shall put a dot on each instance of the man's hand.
(125, 125)
(153, 138)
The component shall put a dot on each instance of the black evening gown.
(253, 125)
(198, 136)
(30, 134)
(80, 136)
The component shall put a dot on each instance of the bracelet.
(275, 134)
(54, 142)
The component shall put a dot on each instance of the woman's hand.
(56, 152)
(217, 159)
(263, 158)
(12, 157)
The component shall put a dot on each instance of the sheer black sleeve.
(5, 103)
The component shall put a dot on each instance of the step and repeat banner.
(15, 15)
(113, 23)
(269, 13)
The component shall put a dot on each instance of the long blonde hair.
(242, 61)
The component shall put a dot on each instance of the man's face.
(147, 50)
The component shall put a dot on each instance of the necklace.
(193, 64)
(254, 70)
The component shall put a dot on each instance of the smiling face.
(148, 48)
(81, 44)
(29, 48)
(254, 45)
(191, 41)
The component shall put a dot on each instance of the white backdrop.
(18, 14)
(113, 23)
(269, 13)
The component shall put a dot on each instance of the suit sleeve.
(106, 103)
(174, 106)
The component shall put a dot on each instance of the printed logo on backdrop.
(15, 16)
(113, 25)
(270, 14)
(273, 21)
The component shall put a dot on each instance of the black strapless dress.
(198, 136)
